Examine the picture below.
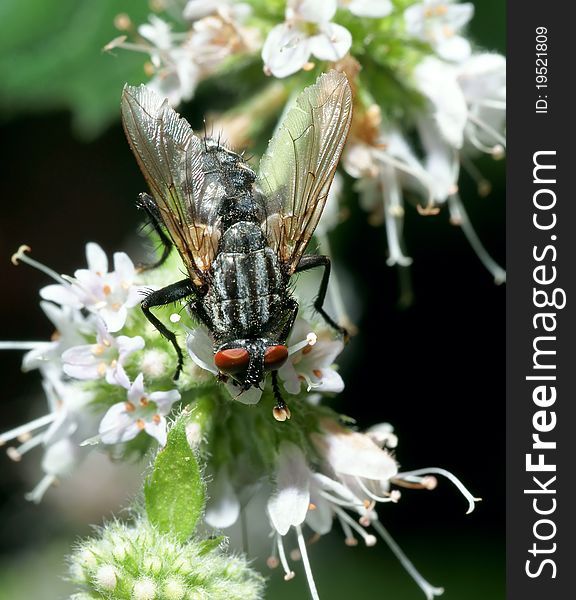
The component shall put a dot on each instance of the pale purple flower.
(107, 294)
(355, 460)
(313, 364)
(142, 411)
(104, 359)
(482, 79)
(69, 327)
(438, 22)
(368, 8)
(68, 421)
(307, 31)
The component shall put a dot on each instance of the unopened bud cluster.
(139, 563)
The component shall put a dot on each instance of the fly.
(241, 235)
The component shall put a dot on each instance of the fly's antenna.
(280, 411)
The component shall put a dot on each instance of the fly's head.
(248, 361)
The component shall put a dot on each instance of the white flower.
(198, 9)
(105, 358)
(384, 163)
(482, 79)
(159, 33)
(357, 470)
(312, 364)
(60, 431)
(307, 31)
(438, 22)
(368, 8)
(436, 81)
(355, 460)
(223, 506)
(141, 412)
(289, 504)
(69, 326)
(108, 295)
(180, 60)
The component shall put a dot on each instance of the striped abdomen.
(247, 289)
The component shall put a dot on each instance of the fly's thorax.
(228, 168)
(248, 360)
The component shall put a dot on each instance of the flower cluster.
(108, 374)
(319, 472)
(108, 378)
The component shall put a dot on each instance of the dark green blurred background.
(434, 370)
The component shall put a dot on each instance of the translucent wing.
(171, 158)
(300, 162)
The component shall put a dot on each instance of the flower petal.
(60, 294)
(370, 8)
(332, 43)
(223, 508)
(314, 11)
(289, 504)
(117, 426)
(285, 51)
(165, 400)
(201, 349)
(96, 258)
(157, 429)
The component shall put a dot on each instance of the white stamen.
(483, 185)
(272, 561)
(429, 590)
(422, 177)
(26, 428)
(392, 218)
(355, 504)
(306, 562)
(491, 265)
(310, 340)
(20, 255)
(38, 492)
(349, 538)
(370, 540)
(17, 453)
(311, 384)
(93, 441)
(175, 318)
(500, 139)
(372, 495)
(413, 476)
(21, 345)
(496, 104)
(288, 574)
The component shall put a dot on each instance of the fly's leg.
(146, 203)
(311, 261)
(287, 328)
(167, 295)
(280, 411)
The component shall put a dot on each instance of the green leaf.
(174, 492)
(51, 58)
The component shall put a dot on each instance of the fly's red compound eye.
(275, 357)
(232, 360)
